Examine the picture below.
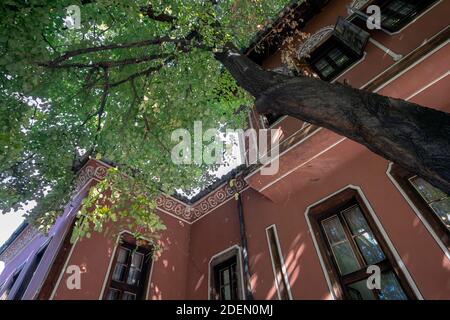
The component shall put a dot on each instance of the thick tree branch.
(183, 44)
(101, 110)
(161, 17)
(148, 129)
(415, 137)
(128, 45)
(105, 63)
(136, 75)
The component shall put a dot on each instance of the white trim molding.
(63, 271)
(432, 83)
(283, 266)
(418, 61)
(380, 227)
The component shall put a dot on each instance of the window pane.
(324, 68)
(334, 230)
(136, 260)
(225, 282)
(122, 256)
(442, 209)
(225, 276)
(400, 7)
(226, 293)
(390, 288)
(226, 279)
(398, 11)
(119, 272)
(365, 239)
(233, 271)
(438, 200)
(128, 296)
(359, 291)
(426, 190)
(338, 57)
(345, 258)
(134, 276)
(113, 294)
(342, 250)
(356, 220)
(370, 250)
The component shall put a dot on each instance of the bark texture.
(415, 137)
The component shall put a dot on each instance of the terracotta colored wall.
(210, 235)
(170, 270)
(345, 164)
(424, 260)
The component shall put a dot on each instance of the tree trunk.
(414, 137)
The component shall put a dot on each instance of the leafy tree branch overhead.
(136, 70)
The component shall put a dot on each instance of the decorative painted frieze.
(22, 240)
(187, 212)
(216, 198)
(90, 172)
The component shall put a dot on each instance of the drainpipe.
(243, 236)
(396, 57)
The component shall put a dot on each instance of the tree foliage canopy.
(115, 88)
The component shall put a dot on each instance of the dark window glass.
(395, 14)
(129, 272)
(331, 58)
(354, 247)
(226, 279)
(437, 200)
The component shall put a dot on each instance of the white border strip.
(283, 266)
(63, 271)
(422, 58)
(428, 85)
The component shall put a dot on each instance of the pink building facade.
(311, 230)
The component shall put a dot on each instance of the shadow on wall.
(293, 264)
(166, 264)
